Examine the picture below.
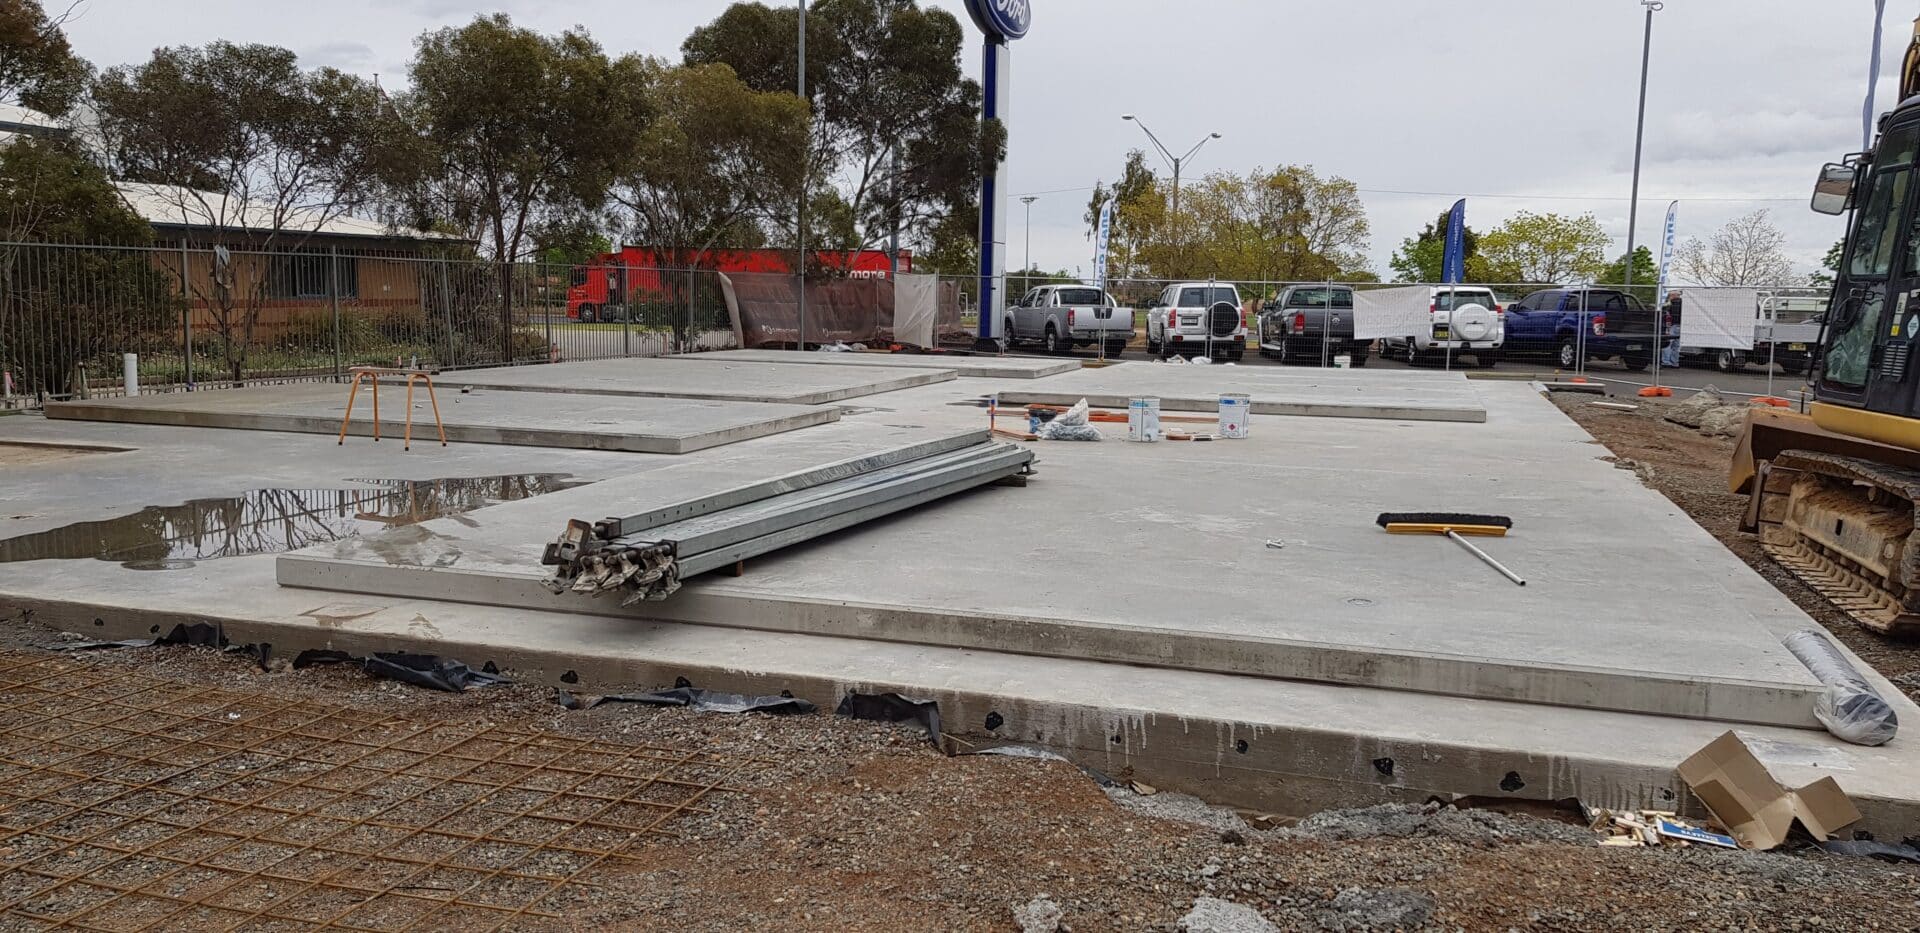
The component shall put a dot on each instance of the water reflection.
(271, 521)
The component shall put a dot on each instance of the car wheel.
(1794, 369)
(1635, 362)
(1236, 354)
(1727, 361)
(1360, 358)
(1006, 336)
(1153, 346)
(1487, 359)
(1568, 356)
(1114, 350)
(587, 314)
(1050, 341)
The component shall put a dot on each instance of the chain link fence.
(202, 317)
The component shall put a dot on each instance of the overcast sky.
(1516, 104)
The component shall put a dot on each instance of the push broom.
(1454, 525)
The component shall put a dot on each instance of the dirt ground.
(843, 825)
(1691, 469)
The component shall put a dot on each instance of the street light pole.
(1639, 135)
(800, 220)
(1027, 270)
(1176, 162)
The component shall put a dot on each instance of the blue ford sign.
(1003, 19)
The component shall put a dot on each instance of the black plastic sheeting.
(892, 707)
(192, 635)
(430, 671)
(706, 701)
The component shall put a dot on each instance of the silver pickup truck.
(1061, 317)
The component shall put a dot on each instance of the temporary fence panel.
(1392, 312)
(916, 308)
(1718, 318)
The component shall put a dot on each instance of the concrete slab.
(1323, 393)
(1274, 746)
(580, 422)
(977, 367)
(735, 381)
(1108, 556)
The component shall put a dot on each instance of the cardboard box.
(1746, 798)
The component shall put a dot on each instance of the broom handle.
(1485, 557)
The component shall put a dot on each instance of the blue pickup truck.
(1604, 323)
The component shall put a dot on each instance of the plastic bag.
(1072, 425)
(1850, 708)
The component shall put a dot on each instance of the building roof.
(177, 206)
(20, 121)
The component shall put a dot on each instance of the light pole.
(1175, 162)
(800, 220)
(1027, 270)
(1639, 135)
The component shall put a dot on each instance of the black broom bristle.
(1441, 518)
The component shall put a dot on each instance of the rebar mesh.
(130, 802)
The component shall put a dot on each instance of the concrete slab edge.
(1377, 411)
(288, 423)
(1581, 687)
(1272, 767)
(907, 379)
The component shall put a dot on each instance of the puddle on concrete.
(272, 521)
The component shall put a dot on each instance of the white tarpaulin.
(1718, 318)
(1392, 312)
(916, 303)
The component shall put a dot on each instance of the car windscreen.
(1317, 298)
(1445, 301)
(1079, 297)
(1207, 297)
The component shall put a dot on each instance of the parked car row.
(1314, 324)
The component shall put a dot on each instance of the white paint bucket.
(1143, 420)
(1343, 361)
(1235, 410)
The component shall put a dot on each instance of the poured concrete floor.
(583, 422)
(1003, 601)
(1147, 554)
(736, 381)
(979, 367)
(1310, 392)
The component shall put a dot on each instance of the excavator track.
(1846, 527)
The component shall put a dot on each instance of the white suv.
(1198, 317)
(1467, 320)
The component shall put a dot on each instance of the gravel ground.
(1690, 468)
(856, 826)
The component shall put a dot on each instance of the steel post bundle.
(649, 554)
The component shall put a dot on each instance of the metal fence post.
(186, 314)
(333, 297)
(626, 313)
(446, 310)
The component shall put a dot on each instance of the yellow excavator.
(1832, 492)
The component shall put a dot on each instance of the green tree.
(1422, 258)
(570, 239)
(64, 311)
(38, 69)
(896, 131)
(1541, 248)
(240, 143)
(515, 124)
(1287, 224)
(1646, 274)
(1133, 196)
(717, 158)
(1829, 266)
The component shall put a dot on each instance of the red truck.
(637, 273)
